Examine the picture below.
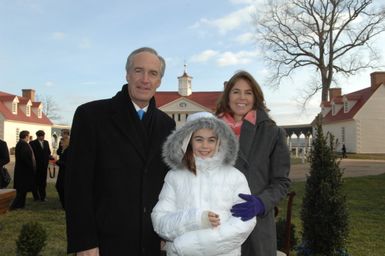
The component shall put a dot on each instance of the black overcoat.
(4, 153)
(24, 175)
(114, 175)
(42, 158)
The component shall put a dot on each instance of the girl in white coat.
(193, 212)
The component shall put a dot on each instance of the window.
(39, 113)
(333, 109)
(28, 110)
(17, 134)
(346, 106)
(342, 134)
(14, 108)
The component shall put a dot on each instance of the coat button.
(144, 210)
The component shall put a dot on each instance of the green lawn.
(365, 196)
(366, 206)
(49, 214)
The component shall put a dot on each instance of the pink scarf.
(251, 116)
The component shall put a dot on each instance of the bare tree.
(331, 36)
(50, 108)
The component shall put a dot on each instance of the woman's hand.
(90, 252)
(214, 219)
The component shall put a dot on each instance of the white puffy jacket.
(177, 217)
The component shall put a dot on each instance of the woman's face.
(204, 143)
(241, 99)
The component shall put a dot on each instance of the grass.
(49, 214)
(366, 206)
(349, 156)
(366, 156)
(365, 199)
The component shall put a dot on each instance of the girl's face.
(241, 99)
(204, 143)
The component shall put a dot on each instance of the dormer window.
(346, 106)
(28, 110)
(39, 113)
(14, 108)
(333, 108)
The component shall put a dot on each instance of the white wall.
(183, 107)
(350, 134)
(11, 136)
(371, 124)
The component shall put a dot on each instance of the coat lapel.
(248, 131)
(123, 119)
(154, 139)
(246, 139)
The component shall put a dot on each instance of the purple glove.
(249, 209)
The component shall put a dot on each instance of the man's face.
(41, 138)
(143, 78)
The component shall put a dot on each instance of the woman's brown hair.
(223, 101)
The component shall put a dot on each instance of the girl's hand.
(214, 219)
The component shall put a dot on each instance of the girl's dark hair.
(189, 160)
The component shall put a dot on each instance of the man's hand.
(249, 209)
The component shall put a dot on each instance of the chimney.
(334, 93)
(29, 93)
(377, 78)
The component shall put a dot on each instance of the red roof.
(206, 99)
(361, 97)
(21, 116)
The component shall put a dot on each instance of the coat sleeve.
(169, 222)
(79, 184)
(4, 154)
(229, 236)
(279, 173)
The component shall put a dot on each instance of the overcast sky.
(75, 50)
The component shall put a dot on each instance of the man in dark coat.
(42, 154)
(114, 167)
(4, 157)
(25, 168)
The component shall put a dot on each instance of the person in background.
(114, 170)
(24, 173)
(193, 212)
(62, 152)
(344, 151)
(4, 158)
(42, 154)
(263, 157)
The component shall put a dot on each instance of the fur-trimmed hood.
(228, 144)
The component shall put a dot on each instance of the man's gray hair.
(146, 49)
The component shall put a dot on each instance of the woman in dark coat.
(25, 168)
(62, 152)
(263, 157)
